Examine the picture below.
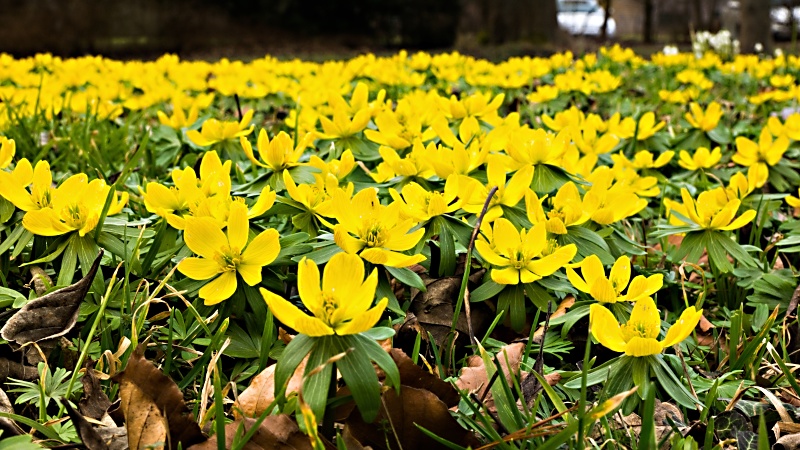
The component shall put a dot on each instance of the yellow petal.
(292, 317)
(203, 236)
(346, 242)
(620, 274)
(251, 273)
(645, 316)
(554, 261)
(489, 255)
(573, 277)
(741, 221)
(506, 237)
(365, 321)
(683, 327)
(264, 202)
(219, 289)
(343, 275)
(592, 269)
(238, 226)
(403, 241)
(44, 222)
(605, 328)
(644, 287)
(508, 275)
(390, 258)
(603, 291)
(639, 346)
(263, 249)
(199, 268)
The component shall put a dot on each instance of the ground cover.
(563, 252)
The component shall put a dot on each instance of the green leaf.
(671, 384)
(293, 354)
(647, 435)
(728, 423)
(379, 355)
(512, 301)
(321, 255)
(721, 134)
(588, 243)
(447, 252)
(316, 386)
(358, 374)
(486, 291)
(507, 410)
(407, 277)
(538, 295)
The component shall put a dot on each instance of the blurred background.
(326, 29)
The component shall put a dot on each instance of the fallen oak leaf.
(415, 376)
(51, 315)
(401, 416)
(153, 406)
(474, 378)
(94, 402)
(260, 394)
(277, 432)
(90, 438)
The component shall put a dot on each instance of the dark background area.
(318, 29)
(148, 28)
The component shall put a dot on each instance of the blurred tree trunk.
(507, 21)
(647, 30)
(755, 22)
(604, 30)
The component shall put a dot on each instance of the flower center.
(229, 258)
(375, 235)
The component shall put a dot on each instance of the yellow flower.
(422, 205)
(543, 94)
(702, 159)
(7, 150)
(648, 126)
(315, 198)
(396, 134)
(214, 130)
(707, 120)
(338, 168)
(75, 205)
(277, 154)
(567, 209)
(590, 143)
(611, 203)
(789, 129)
(341, 305)
(223, 255)
(740, 186)
(522, 256)
(570, 118)
(609, 290)
(416, 163)
(639, 336)
(343, 125)
(758, 157)
(40, 194)
(380, 233)
(794, 201)
(179, 119)
(527, 146)
(714, 211)
(474, 194)
(643, 159)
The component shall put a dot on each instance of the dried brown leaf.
(51, 315)
(415, 376)
(94, 402)
(474, 378)
(398, 420)
(8, 426)
(261, 393)
(90, 438)
(278, 432)
(153, 406)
